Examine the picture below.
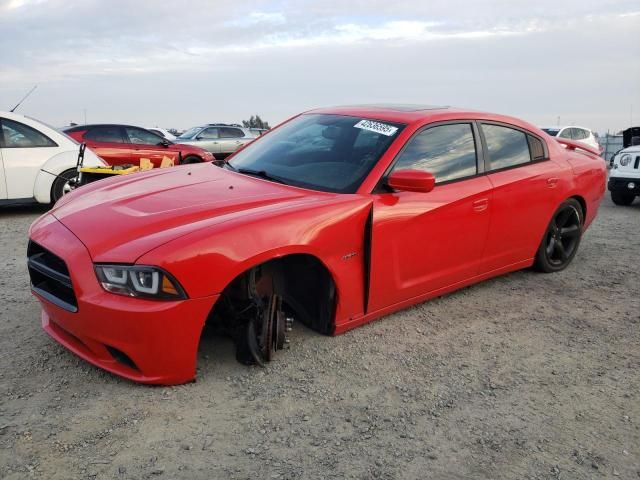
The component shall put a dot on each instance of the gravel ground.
(525, 376)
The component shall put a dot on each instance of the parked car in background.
(258, 131)
(163, 133)
(37, 162)
(336, 217)
(124, 144)
(579, 134)
(218, 138)
(624, 178)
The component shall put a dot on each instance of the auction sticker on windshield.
(383, 128)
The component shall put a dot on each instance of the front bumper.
(143, 340)
(621, 184)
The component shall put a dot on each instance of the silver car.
(218, 138)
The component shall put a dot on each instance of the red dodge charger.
(125, 144)
(335, 218)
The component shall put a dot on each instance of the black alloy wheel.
(562, 238)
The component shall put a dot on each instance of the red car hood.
(120, 219)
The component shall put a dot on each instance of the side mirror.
(411, 181)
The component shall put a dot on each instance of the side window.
(110, 134)
(536, 148)
(226, 132)
(566, 133)
(19, 135)
(447, 151)
(581, 134)
(142, 137)
(507, 147)
(208, 134)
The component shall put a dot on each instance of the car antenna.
(24, 98)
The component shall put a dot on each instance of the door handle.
(552, 182)
(480, 205)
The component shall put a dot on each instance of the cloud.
(254, 18)
(182, 61)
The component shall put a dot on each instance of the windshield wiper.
(259, 174)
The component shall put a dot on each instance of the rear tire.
(63, 184)
(624, 199)
(561, 239)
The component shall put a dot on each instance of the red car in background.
(336, 217)
(125, 144)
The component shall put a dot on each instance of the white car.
(162, 132)
(579, 134)
(624, 178)
(37, 162)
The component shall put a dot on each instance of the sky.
(184, 63)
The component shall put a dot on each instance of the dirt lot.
(525, 376)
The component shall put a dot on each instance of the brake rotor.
(260, 331)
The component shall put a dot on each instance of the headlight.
(625, 159)
(139, 281)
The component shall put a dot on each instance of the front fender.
(55, 166)
(206, 261)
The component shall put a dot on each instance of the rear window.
(536, 148)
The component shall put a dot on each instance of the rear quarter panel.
(589, 180)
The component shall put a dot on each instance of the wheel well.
(304, 283)
(191, 158)
(583, 205)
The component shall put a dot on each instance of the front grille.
(50, 277)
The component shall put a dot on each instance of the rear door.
(145, 144)
(526, 192)
(230, 139)
(109, 143)
(24, 151)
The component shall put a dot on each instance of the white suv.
(579, 134)
(624, 179)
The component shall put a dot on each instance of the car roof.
(92, 125)
(54, 133)
(409, 114)
(565, 126)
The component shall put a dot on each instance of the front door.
(209, 140)
(423, 242)
(3, 182)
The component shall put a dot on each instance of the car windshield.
(331, 153)
(190, 133)
(551, 131)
